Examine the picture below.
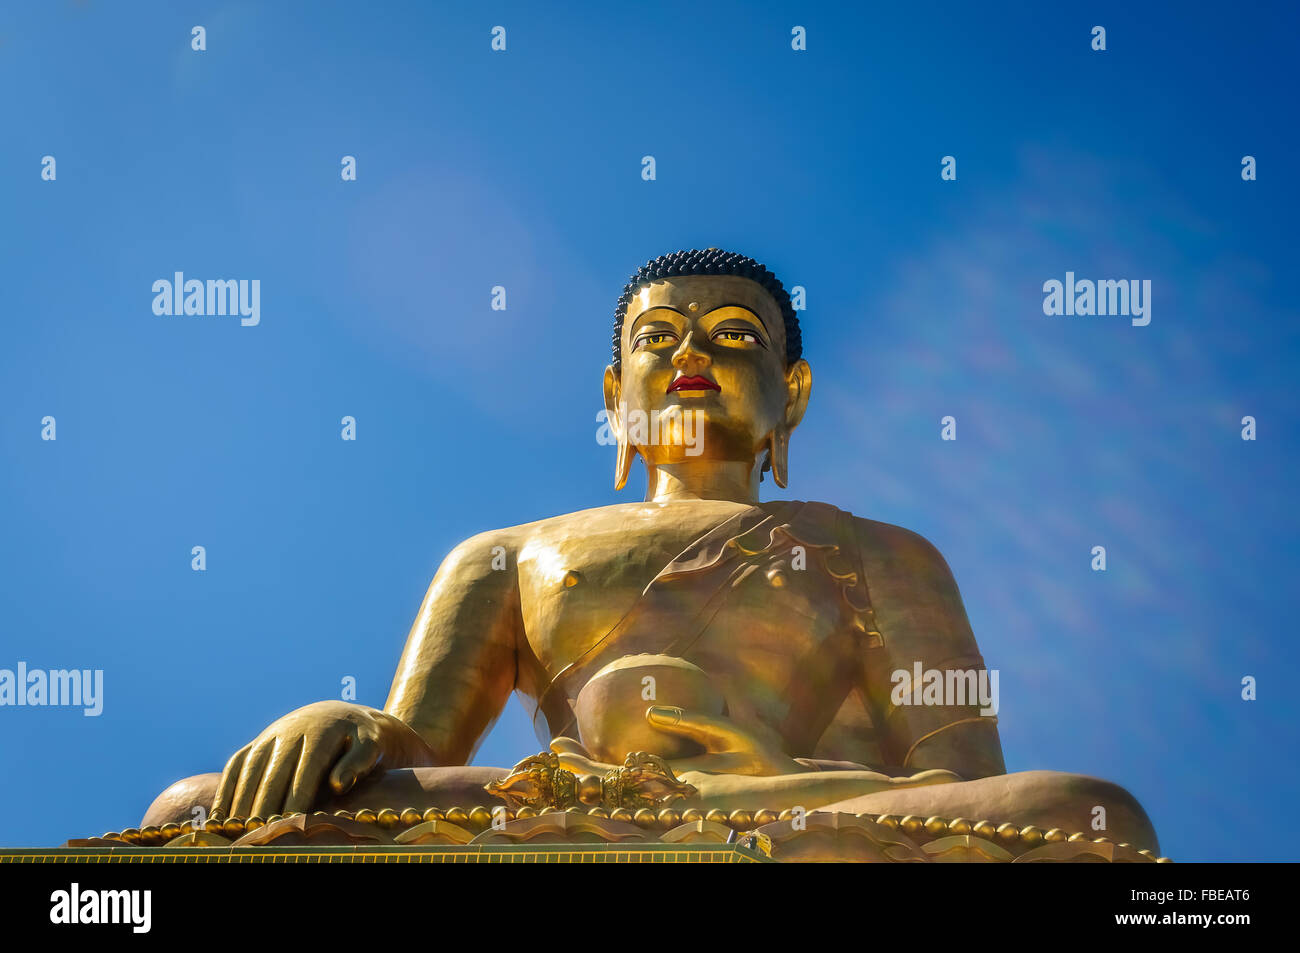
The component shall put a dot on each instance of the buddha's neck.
(702, 480)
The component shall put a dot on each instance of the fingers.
(315, 762)
(574, 757)
(564, 745)
(924, 778)
(358, 761)
(250, 778)
(725, 763)
(275, 782)
(580, 765)
(229, 780)
(715, 734)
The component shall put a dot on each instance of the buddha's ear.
(798, 382)
(625, 455)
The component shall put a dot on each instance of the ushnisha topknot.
(709, 261)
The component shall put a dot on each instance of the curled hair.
(710, 261)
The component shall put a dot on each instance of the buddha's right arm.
(455, 675)
(458, 667)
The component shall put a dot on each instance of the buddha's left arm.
(921, 619)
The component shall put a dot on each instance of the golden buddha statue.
(757, 648)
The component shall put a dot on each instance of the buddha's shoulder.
(891, 552)
(885, 545)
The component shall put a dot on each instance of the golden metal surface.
(820, 836)
(442, 854)
(794, 615)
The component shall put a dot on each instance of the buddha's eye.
(653, 339)
(737, 336)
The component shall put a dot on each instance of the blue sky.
(522, 169)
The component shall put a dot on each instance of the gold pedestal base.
(580, 835)
(447, 854)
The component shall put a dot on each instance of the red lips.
(693, 383)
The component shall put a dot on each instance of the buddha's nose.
(688, 358)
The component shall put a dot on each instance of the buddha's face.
(708, 350)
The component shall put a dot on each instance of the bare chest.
(762, 628)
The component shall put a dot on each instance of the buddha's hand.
(729, 748)
(284, 768)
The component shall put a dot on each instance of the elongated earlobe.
(618, 426)
(623, 462)
(778, 455)
(798, 380)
